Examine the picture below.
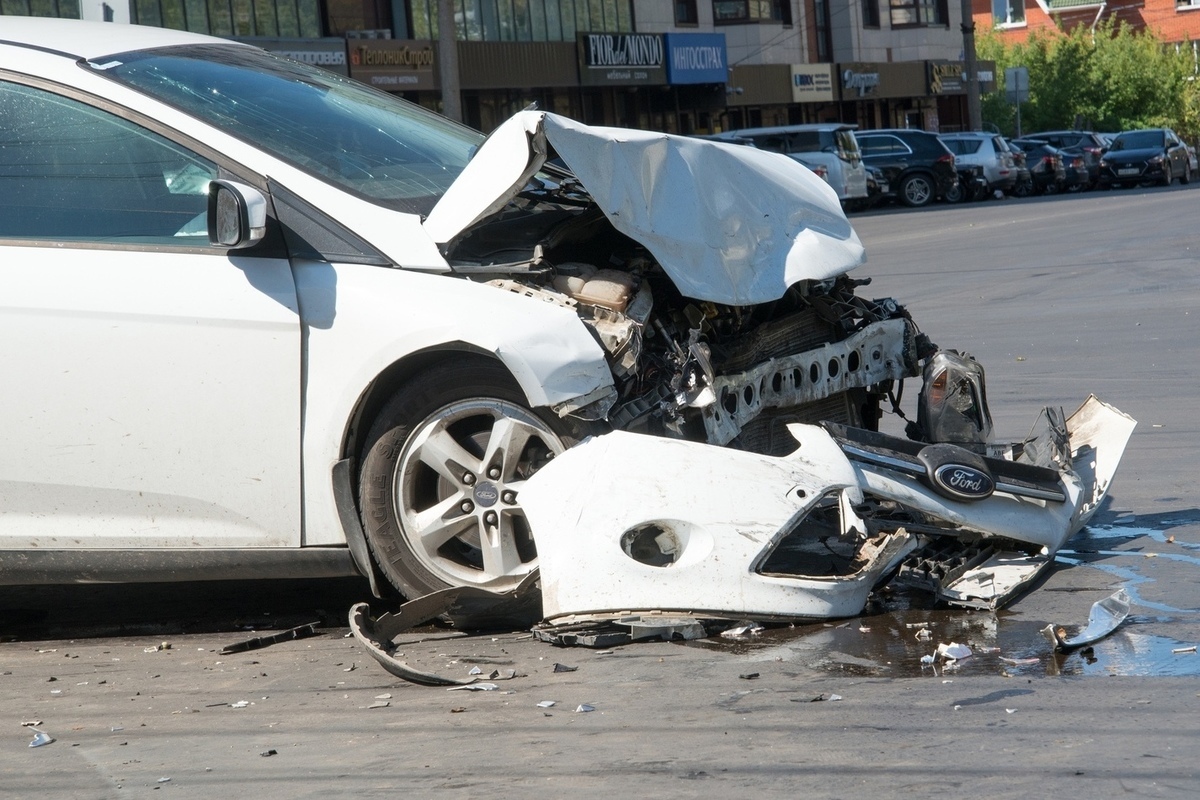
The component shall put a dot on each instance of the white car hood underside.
(729, 223)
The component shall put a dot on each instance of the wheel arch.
(345, 469)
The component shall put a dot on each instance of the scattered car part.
(623, 630)
(468, 605)
(678, 527)
(299, 632)
(1105, 617)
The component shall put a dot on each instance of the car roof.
(89, 40)
(895, 131)
(812, 126)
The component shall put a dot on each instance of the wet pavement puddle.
(884, 642)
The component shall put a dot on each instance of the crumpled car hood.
(728, 223)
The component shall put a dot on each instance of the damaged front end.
(713, 277)
(629, 524)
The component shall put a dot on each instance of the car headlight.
(1103, 163)
(1158, 159)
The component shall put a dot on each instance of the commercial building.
(684, 66)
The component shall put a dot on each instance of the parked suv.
(1088, 144)
(825, 144)
(987, 150)
(919, 168)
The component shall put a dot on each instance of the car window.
(69, 171)
(881, 145)
(1137, 140)
(377, 146)
(963, 147)
(847, 144)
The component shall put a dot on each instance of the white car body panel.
(158, 402)
(723, 512)
(345, 306)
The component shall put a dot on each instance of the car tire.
(1168, 174)
(916, 191)
(1187, 174)
(441, 468)
(956, 194)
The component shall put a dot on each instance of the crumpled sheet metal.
(465, 606)
(1105, 617)
(729, 224)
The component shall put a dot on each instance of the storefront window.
(524, 20)
(732, 12)
(229, 17)
(1008, 12)
(68, 9)
(919, 13)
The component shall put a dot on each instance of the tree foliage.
(1113, 79)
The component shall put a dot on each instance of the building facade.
(682, 66)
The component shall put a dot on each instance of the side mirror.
(237, 215)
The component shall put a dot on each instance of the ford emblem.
(963, 482)
(486, 494)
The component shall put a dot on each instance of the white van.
(828, 144)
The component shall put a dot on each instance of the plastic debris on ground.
(1105, 617)
(299, 632)
(563, 668)
(623, 630)
(546, 704)
(474, 687)
(1179, 650)
(742, 631)
(954, 651)
(584, 707)
(40, 739)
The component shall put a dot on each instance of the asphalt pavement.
(1058, 297)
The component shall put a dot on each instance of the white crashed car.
(262, 320)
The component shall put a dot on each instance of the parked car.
(1024, 185)
(1154, 155)
(919, 168)
(1045, 165)
(972, 185)
(831, 145)
(987, 150)
(269, 322)
(1087, 144)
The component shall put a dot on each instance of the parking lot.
(1058, 297)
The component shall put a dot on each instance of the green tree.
(1114, 78)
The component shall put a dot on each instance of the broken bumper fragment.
(632, 524)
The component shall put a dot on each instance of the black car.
(1154, 155)
(918, 167)
(1088, 145)
(1045, 164)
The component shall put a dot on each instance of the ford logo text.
(963, 482)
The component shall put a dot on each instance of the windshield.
(379, 147)
(1138, 140)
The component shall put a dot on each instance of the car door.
(886, 152)
(152, 381)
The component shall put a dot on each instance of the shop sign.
(859, 83)
(877, 80)
(696, 58)
(622, 59)
(327, 53)
(812, 83)
(395, 65)
(946, 77)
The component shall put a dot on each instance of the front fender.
(359, 320)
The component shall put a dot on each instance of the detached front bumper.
(636, 524)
